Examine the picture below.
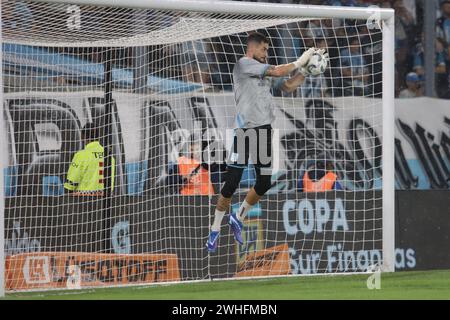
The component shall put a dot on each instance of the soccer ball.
(317, 64)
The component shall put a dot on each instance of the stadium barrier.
(308, 231)
(266, 262)
(50, 270)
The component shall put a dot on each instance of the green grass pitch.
(398, 285)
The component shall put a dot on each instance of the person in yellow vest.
(190, 175)
(320, 179)
(86, 171)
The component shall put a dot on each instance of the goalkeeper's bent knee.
(232, 179)
(263, 184)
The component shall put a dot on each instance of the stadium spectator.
(442, 69)
(190, 176)
(440, 65)
(440, 61)
(443, 34)
(404, 27)
(372, 48)
(86, 171)
(443, 23)
(320, 178)
(413, 87)
(305, 34)
(355, 74)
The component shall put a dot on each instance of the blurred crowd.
(362, 50)
(354, 47)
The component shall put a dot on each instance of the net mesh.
(155, 87)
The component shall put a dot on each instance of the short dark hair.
(329, 165)
(445, 2)
(325, 165)
(257, 37)
(320, 165)
(90, 132)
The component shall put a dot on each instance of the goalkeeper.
(253, 80)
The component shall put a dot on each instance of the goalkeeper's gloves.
(304, 58)
(323, 54)
(303, 70)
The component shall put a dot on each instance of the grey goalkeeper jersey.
(252, 93)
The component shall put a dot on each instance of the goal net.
(117, 121)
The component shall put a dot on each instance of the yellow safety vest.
(86, 169)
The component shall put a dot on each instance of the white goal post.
(44, 67)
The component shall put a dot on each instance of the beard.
(262, 60)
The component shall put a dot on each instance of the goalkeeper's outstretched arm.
(283, 70)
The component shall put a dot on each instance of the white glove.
(304, 58)
(304, 71)
(322, 53)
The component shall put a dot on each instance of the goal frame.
(383, 16)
